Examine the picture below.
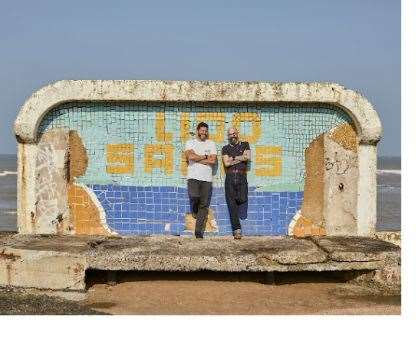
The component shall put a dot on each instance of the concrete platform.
(59, 263)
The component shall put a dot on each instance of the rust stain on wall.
(78, 158)
(313, 202)
(9, 256)
(304, 227)
(346, 136)
(323, 183)
(85, 215)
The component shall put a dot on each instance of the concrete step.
(60, 262)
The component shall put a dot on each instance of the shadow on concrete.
(277, 278)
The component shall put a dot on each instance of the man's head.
(232, 135)
(202, 131)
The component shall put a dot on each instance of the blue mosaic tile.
(263, 219)
(142, 202)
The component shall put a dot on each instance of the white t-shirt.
(198, 171)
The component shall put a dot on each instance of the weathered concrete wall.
(60, 262)
(367, 190)
(394, 237)
(341, 179)
(331, 185)
(51, 213)
(42, 269)
(128, 156)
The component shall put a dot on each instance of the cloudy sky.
(355, 43)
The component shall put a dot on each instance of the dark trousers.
(200, 197)
(236, 193)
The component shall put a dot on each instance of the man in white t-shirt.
(201, 155)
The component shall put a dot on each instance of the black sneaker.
(237, 234)
(199, 236)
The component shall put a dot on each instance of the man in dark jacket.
(235, 157)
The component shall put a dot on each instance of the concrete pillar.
(26, 167)
(367, 190)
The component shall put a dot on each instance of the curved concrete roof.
(357, 106)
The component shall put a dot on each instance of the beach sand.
(207, 297)
(209, 294)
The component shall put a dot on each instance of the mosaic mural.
(127, 160)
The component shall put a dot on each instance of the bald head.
(232, 135)
(232, 130)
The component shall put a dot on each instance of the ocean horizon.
(388, 193)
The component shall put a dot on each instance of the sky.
(355, 43)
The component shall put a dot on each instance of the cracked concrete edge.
(386, 258)
(386, 280)
(42, 269)
(355, 105)
(314, 260)
(394, 237)
(228, 264)
(337, 254)
(201, 262)
(55, 270)
(285, 250)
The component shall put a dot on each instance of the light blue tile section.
(292, 127)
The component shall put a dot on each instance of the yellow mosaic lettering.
(184, 165)
(268, 161)
(161, 134)
(185, 124)
(255, 120)
(120, 158)
(218, 120)
(158, 156)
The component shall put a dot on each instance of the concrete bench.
(60, 262)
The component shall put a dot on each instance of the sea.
(388, 193)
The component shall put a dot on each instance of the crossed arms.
(229, 161)
(192, 156)
(212, 159)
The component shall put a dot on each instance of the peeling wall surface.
(51, 182)
(117, 167)
(331, 185)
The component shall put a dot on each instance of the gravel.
(17, 302)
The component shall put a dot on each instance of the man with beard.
(201, 155)
(235, 157)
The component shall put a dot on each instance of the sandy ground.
(217, 295)
(206, 297)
